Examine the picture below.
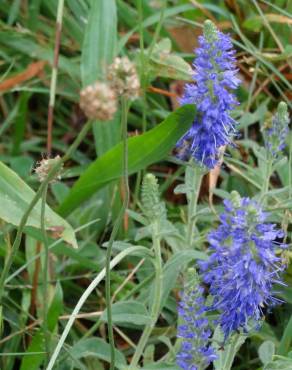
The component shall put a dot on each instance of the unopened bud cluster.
(123, 77)
(153, 208)
(98, 101)
(277, 132)
(44, 167)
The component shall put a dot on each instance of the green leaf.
(164, 64)
(34, 361)
(144, 150)
(226, 357)
(280, 363)
(174, 266)
(285, 343)
(56, 308)
(100, 39)
(266, 351)
(15, 197)
(161, 366)
(96, 347)
(128, 312)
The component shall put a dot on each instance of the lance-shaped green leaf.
(166, 64)
(227, 355)
(100, 38)
(15, 197)
(144, 150)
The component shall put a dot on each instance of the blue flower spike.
(215, 74)
(276, 134)
(244, 265)
(196, 351)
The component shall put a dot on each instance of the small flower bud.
(123, 77)
(98, 101)
(45, 166)
(153, 208)
(277, 131)
(210, 31)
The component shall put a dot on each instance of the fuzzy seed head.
(98, 101)
(123, 77)
(45, 166)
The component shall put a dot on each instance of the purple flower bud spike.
(215, 75)
(244, 266)
(195, 350)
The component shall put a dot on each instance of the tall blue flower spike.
(195, 350)
(215, 75)
(244, 266)
(276, 134)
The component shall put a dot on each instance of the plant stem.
(156, 302)
(45, 274)
(115, 230)
(194, 176)
(34, 201)
(54, 74)
(269, 170)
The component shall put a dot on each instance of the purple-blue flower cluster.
(277, 133)
(244, 266)
(195, 350)
(215, 75)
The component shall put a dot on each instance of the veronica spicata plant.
(276, 133)
(244, 265)
(196, 351)
(215, 76)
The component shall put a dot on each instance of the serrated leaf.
(144, 150)
(15, 197)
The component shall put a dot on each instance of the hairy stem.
(194, 191)
(269, 171)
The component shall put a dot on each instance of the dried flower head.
(45, 166)
(98, 101)
(244, 266)
(123, 77)
(215, 76)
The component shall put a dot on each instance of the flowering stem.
(115, 230)
(34, 201)
(45, 274)
(269, 170)
(194, 184)
(156, 301)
